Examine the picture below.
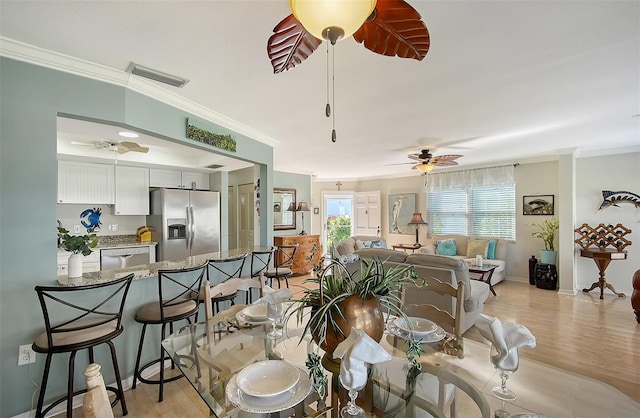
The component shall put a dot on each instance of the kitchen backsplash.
(69, 215)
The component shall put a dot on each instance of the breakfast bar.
(151, 270)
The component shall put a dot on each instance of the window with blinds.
(483, 211)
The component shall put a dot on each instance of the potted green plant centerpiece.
(78, 246)
(547, 231)
(341, 302)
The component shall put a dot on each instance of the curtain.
(470, 179)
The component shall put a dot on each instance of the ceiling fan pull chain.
(327, 109)
(333, 91)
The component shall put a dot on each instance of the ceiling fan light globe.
(318, 15)
(425, 168)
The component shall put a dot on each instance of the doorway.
(337, 217)
(245, 215)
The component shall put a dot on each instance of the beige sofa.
(468, 255)
(446, 269)
(356, 242)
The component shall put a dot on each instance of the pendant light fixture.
(425, 168)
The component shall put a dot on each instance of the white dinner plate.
(244, 319)
(433, 337)
(256, 312)
(421, 327)
(267, 378)
(267, 405)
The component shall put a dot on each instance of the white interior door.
(245, 215)
(233, 219)
(367, 219)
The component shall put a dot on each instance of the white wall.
(69, 215)
(613, 172)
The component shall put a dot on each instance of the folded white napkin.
(272, 296)
(355, 351)
(506, 338)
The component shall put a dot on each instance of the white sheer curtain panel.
(470, 179)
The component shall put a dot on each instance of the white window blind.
(462, 205)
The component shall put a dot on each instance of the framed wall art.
(401, 209)
(541, 204)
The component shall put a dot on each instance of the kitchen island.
(151, 270)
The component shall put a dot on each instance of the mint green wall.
(302, 184)
(30, 99)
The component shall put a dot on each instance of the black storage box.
(546, 276)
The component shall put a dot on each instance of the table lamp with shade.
(417, 221)
(302, 207)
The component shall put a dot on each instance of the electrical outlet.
(76, 229)
(113, 227)
(26, 355)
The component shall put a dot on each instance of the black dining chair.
(178, 294)
(78, 318)
(220, 272)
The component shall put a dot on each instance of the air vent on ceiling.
(146, 72)
(215, 166)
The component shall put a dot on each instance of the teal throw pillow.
(378, 244)
(447, 248)
(491, 249)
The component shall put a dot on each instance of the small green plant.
(547, 231)
(77, 244)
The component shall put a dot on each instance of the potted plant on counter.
(78, 246)
(547, 231)
(340, 302)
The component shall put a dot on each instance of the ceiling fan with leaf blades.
(120, 147)
(393, 28)
(426, 161)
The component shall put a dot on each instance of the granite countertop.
(151, 270)
(115, 241)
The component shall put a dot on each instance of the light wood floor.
(596, 338)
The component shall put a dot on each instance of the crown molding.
(20, 51)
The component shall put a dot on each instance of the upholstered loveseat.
(446, 269)
(466, 248)
(357, 242)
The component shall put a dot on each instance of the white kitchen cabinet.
(176, 179)
(200, 179)
(90, 263)
(131, 191)
(90, 183)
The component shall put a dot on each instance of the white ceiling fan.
(119, 147)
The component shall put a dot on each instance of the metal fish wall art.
(610, 198)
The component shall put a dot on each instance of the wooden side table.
(602, 258)
(405, 247)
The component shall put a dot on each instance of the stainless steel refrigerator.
(184, 222)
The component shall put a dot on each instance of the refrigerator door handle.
(193, 228)
(188, 228)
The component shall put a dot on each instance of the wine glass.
(505, 368)
(352, 410)
(274, 313)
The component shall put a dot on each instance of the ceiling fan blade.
(290, 44)
(132, 146)
(82, 143)
(396, 29)
(444, 163)
(398, 164)
(445, 158)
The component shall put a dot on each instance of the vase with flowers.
(78, 246)
(547, 231)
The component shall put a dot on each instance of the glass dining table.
(227, 354)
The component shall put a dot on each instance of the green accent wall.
(302, 184)
(31, 97)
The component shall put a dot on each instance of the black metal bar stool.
(178, 292)
(221, 271)
(282, 264)
(82, 321)
(260, 260)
